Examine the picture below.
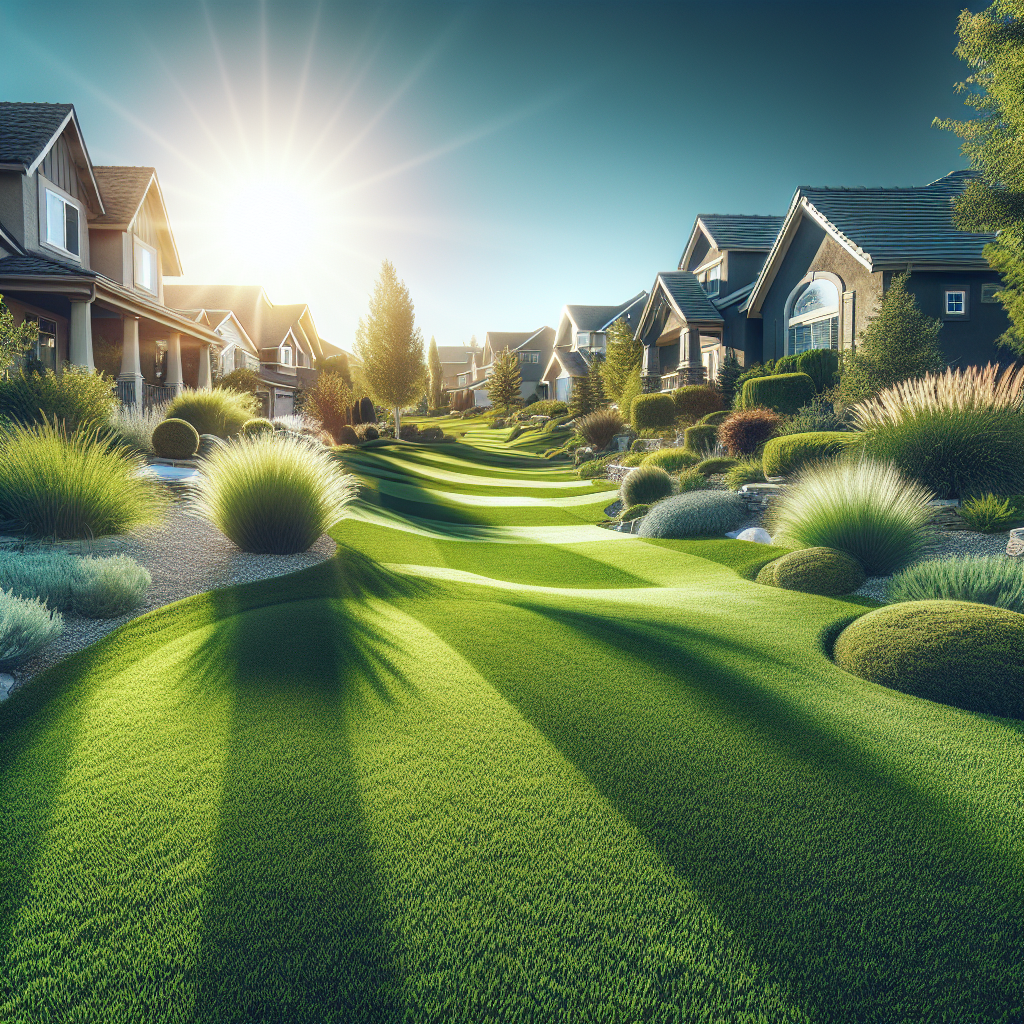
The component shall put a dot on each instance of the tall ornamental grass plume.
(26, 625)
(132, 426)
(221, 412)
(983, 579)
(868, 509)
(600, 426)
(272, 495)
(644, 486)
(72, 486)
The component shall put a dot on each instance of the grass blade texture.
(26, 626)
(984, 579)
(272, 495)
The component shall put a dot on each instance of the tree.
(992, 42)
(435, 387)
(337, 365)
(390, 346)
(728, 374)
(328, 403)
(244, 380)
(14, 341)
(587, 392)
(899, 342)
(504, 386)
(625, 353)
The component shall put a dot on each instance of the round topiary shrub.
(627, 515)
(671, 459)
(255, 426)
(695, 514)
(953, 652)
(714, 418)
(746, 430)
(652, 411)
(823, 571)
(175, 439)
(783, 392)
(645, 485)
(711, 467)
(370, 432)
(700, 438)
(346, 435)
(787, 454)
(766, 577)
(696, 400)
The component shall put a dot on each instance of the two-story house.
(83, 254)
(532, 349)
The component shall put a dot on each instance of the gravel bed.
(185, 556)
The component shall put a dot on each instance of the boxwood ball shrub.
(272, 495)
(744, 431)
(257, 425)
(823, 571)
(652, 411)
(997, 580)
(695, 514)
(714, 418)
(645, 485)
(791, 452)
(867, 509)
(696, 400)
(671, 459)
(346, 435)
(700, 438)
(221, 412)
(783, 392)
(627, 515)
(26, 626)
(953, 652)
(175, 439)
(711, 467)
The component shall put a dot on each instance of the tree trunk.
(398, 423)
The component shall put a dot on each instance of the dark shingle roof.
(741, 231)
(26, 128)
(501, 340)
(123, 189)
(40, 266)
(688, 296)
(572, 362)
(902, 225)
(596, 318)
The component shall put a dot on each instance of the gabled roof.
(600, 318)
(10, 243)
(572, 362)
(686, 294)
(733, 231)
(40, 266)
(883, 227)
(498, 341)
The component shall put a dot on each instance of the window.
(286, 355)
(145, 266)
(61, 223)
(988, 292)
(583, 339)
(45, 349)
(956, 303)
(462, 380)
(712, 280)
(529, 357)
(814, 321)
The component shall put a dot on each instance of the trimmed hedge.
(652, 411)
(696, 400)
(714, 418)
(821, 365)
(700, 437)
(783, 392)
(671, 459)
(175, 439)
(711, 467)
(694, 514)
(645, 485)
(791, 452)
(766, 577)
(823, 571)
(953, 652)
(346, 435)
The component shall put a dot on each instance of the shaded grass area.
(349, 794)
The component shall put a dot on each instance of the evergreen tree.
(504, 386)
(435, 387)
(728, 374)
(992, 42)
(625, 353)
(899, 342)
(390, 345)
(587, 392)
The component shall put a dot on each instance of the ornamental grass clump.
(26, 626)
(671, 459)
(990, 513)
(221, 412)
(600, 426)
(867, 509)
(645, 485)
(132, 426)
(271, 494)
(72, 486)
(693, 480)
(744, 471)
(983, 579)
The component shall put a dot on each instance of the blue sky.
(507, 157)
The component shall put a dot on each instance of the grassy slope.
(606, 779)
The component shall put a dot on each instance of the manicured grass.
(521, 771)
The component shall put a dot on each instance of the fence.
(152, 394)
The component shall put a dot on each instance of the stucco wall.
(107, 253)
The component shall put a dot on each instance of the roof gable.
(733, 231)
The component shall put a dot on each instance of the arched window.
(814, 321)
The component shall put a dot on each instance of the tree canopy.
(338, 365)
(505, 383)
(588, 392)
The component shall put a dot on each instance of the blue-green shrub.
(695, 514)
(783, 392)
(645, 485)
(652, 411)
(26, 626)
(791, 452)
(984, 579)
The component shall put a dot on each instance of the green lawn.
(494, 763)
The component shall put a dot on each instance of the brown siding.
(59, 166)
(106, 252)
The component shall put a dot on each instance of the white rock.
(755, 534)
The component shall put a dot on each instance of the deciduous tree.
(15, 341)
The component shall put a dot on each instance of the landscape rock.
(1015, 545)
(755, 534)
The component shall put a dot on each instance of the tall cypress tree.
(436, 375)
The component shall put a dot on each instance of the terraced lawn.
(495, 763)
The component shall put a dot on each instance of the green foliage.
(744, 471)
(435, 375)
(692, 480)
(983, 579)
(627, 515)
(367, 432)
(625, 353)
(820, 414)
(867, 509)
(327, 404)
(505, 382)
(645, 485)
(792, 452)
(338, 365)
(593, 468)
(714, 418)
(14, 341)
(822, 571)
(588, 392)
(548, 407)
(671, 459)
(990, 513)
(750, 373)
(695, 514)
(132, 427)
(785, 393)
(630, 392)
(696, 400)
(272, 495)
(76, 397)
(631, 459)
(715, 466)
(747, 430)
(766, 575)
(220, 412)
(728, 375)
(243, 380)
(600, 426)
(175, 439)
(820, 364)
(26, 626)
(787, 364)
(700, 438)
(653, 411)
(952, 652)
(258, 425)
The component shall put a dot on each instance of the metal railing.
(152, 394)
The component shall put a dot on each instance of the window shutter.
(848, 313)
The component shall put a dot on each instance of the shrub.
(696, 514)
(26, 626)
(175, 439)
(984, 579)
(553, 424)
(651, 411)
(744, 471)
(961, 433)
(692, 480)
(714, 418)
(712, 467)
(548, 407)
(783, 392)
(497, 423)
(593, 468)
(817, 416)
(766, 576)
(367, 432)
(791, 452)
(867, 509)
(632, 459)
(70, 486)
(696, 400)
(627, 515)
(953, 652)
(820, 364)
(514, 432)
(76, 397)
(220, 412)
(272, 495)
(671, 459)
(257, 425)
(989, 514)
(823, 571)
(327, 403)
(132, 427)
(431, 435)
(787, 364)
(242, 380)
(645, 485)
(744, 431)
(700, 438)
(600, 426)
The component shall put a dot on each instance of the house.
(838, 250)
(84, 251)
(532, 349)
(696, 314)
(582, 336)
(282, 339)
(458, 363)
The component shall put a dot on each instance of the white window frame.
(948, 294)
(140, 250)
(286, 355)
(48, 189)
(529, 356)
(583, 339)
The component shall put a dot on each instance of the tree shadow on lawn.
(809, 846)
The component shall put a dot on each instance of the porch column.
(205, 381)
(650, 370)
(130, 379)
(691, 365)
(175, 381)
(80, 334)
